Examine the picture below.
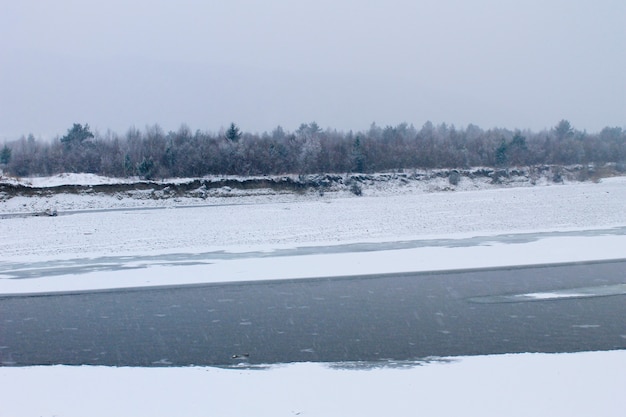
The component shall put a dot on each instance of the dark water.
(399, 317)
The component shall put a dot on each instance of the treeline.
(153, 153)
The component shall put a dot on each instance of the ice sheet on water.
(584, 292)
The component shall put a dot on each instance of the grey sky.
(343, 63)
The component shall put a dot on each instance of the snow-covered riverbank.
(568, 385)
(310, 219)
(68, 192)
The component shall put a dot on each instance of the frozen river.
(83, 265)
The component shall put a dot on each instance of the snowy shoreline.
(520, 385)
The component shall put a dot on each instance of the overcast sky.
(342, 63)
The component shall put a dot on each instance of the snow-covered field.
(316, 236)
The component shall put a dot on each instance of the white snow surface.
(568, 385)
(549, 223)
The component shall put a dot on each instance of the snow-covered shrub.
(355, 188)
(454, 177)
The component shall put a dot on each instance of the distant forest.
(153, 153)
